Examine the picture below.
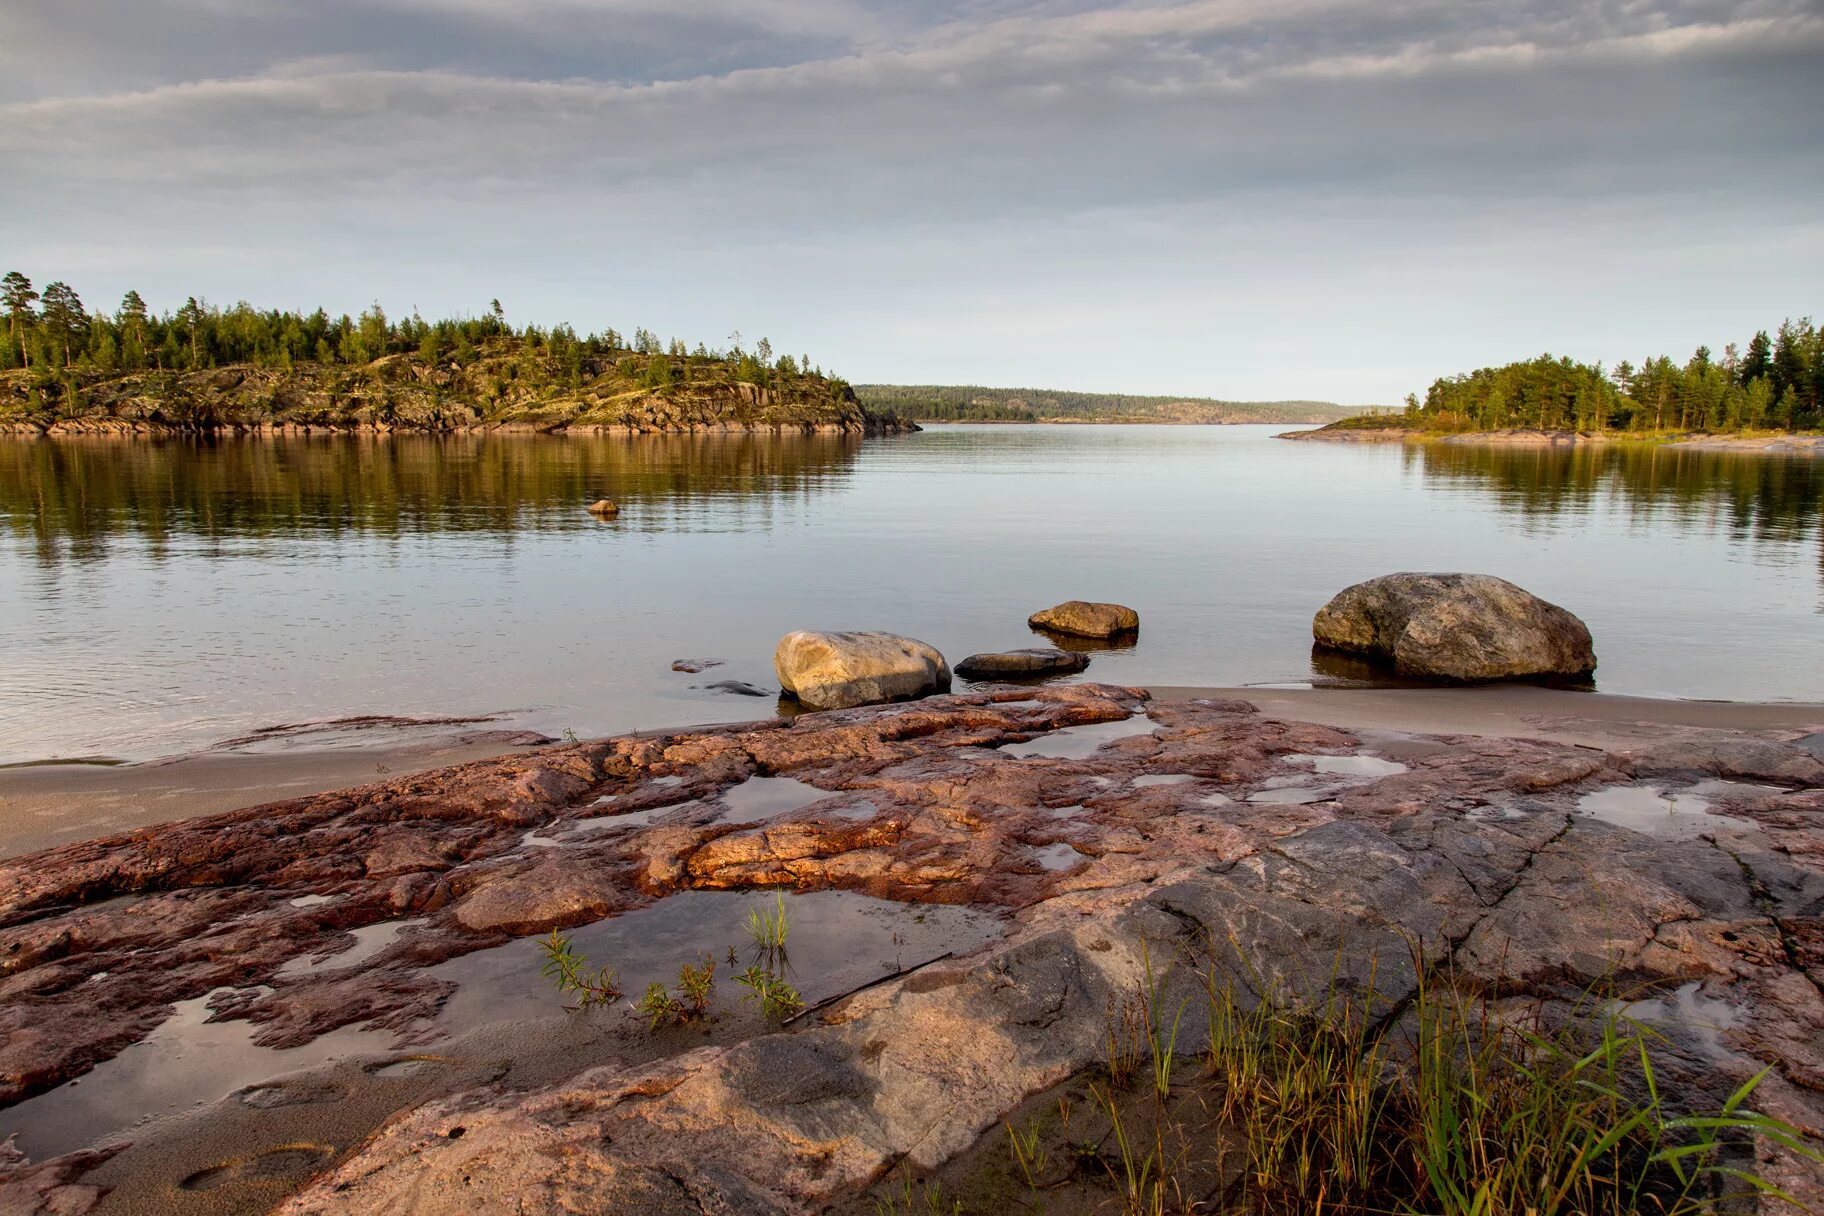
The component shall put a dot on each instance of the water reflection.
(75, 497)
(1756, 496)
(180, 593)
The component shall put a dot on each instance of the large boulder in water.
(1086, 619)
(839, 670)
(1465, 627)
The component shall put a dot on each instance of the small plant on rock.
(769, 928)
(569, 973)
(696, 985)
(778, 999)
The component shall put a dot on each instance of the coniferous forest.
(206, 368)
(1773, 382)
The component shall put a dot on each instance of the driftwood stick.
(827, 1001)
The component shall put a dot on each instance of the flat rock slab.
(1300, 848)
(1022, 664)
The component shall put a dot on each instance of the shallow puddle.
(1350, 766)
(764, 797)
(836, 941)
(1078, 742)
(1141, 783)
(310, 901)
(369, 941)
(1702, 1017)
(1677, 816)
(188, 1061)
(1058, 856)
(1290, 795)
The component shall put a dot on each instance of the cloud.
(842, 131)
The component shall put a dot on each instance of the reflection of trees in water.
(1757, 497)
(1760, 499)
(73, 495)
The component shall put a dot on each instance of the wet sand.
(46, 805)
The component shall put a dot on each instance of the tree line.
(976, 403)
(1776, 382)
(52, 333)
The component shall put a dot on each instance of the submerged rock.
(739, 688)
(1086, 619)
(604, 509)
(1467, 627)
(693, 666)
(842, 670)
(1022, 664)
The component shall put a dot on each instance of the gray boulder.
(1463, 627)
(1086, 619)
(839, 670)
(1022, 664)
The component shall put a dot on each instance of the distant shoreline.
(1777, 444)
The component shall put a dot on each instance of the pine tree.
(17, 294)
(63, 318)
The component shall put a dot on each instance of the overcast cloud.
(1242, 198)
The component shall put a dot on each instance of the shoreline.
(1805, 444)
(49, 803)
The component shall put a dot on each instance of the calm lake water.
(157, 597)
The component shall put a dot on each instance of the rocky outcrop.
(503, 388)
(1460, 627)
(1084, 619)
(1022, 664)
(842, 670)
(1155, 840)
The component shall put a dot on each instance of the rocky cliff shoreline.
(405, 393)
(1109, 839)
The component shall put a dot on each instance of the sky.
(1258, 199)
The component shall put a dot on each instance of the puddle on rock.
(1678, 816)
(1687, 1009)
(837, 941)
(187, 1062)
(1290, 795)
(1058, 856)
(626, 819)
(310, 901)
(1217, 799)
(369, 941)
(1349, 766)
(1079, 742)
(760, 798)
(1141, 783)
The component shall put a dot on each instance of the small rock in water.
(1021, 664)
(1464, 627)
(604, 508)
(841, 670)
(1086, 619)
(740, 688)
(693, 666)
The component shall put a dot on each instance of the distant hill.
(973, 403)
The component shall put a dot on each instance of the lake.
(161, 596)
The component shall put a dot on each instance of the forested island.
(1774, 383)
(974, 403)
(67, 369)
